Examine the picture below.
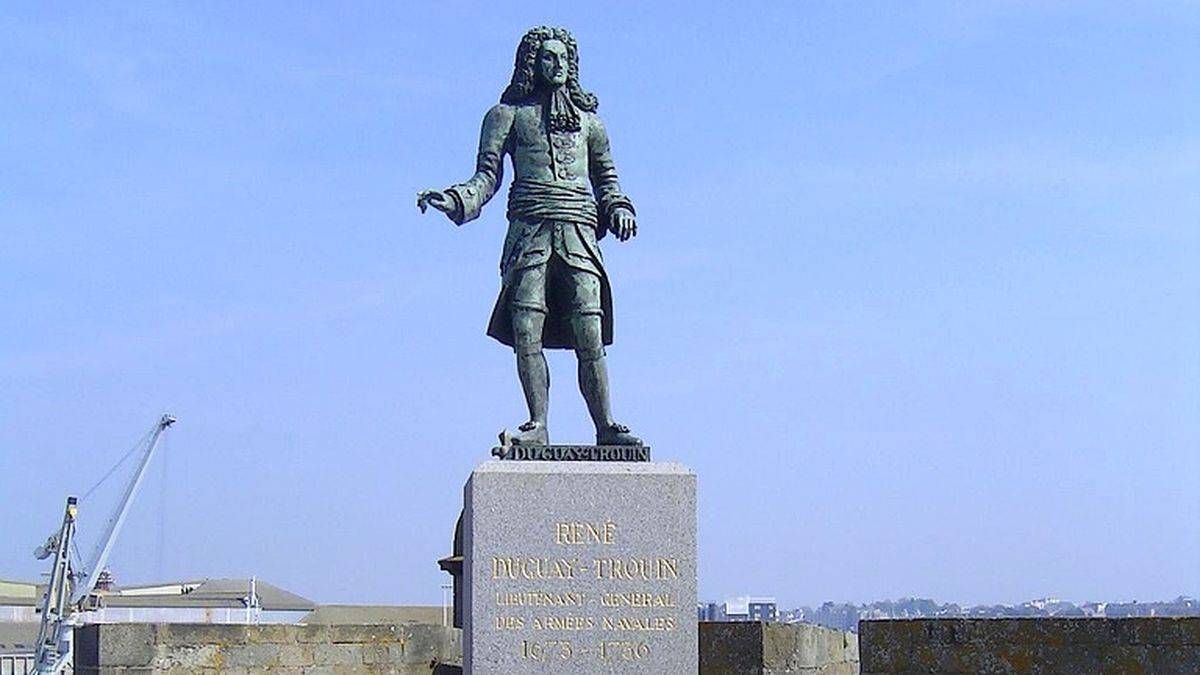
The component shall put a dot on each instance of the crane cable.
(141, 441)
(162, 509)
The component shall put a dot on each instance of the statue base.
(579, 566)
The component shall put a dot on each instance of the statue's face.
(552, 63)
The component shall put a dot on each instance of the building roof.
(378, 614)
(196, 593)
(206, 593)
(19, 594)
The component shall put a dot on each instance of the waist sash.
(535, 200)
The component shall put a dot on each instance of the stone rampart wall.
(1018, 646)
(285, 649)
(748, 648)
(412, 649)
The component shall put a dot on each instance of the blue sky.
(916, 290)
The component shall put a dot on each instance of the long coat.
(562, 179)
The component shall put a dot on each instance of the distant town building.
(763, 609)
(843, 616)
(750, 608)
(710, 611)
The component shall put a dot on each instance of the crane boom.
(91, 572)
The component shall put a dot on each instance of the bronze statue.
(564, 198)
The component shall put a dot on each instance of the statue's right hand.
(438, 199)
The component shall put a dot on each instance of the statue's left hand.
(624, 224)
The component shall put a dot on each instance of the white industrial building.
(198, 601)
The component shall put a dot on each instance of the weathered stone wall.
(1129, 646)
(725, 648)
(748, 648)
(241, 649)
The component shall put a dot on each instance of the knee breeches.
(555, 287)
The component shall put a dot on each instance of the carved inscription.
(634, 603)
(573, 453)
(566, 534)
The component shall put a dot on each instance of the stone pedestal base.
(579, 567)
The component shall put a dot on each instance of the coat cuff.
(614, 202)
(458, 215)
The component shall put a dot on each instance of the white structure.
(198, 601)
(751, 608)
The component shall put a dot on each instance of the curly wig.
(524, 78)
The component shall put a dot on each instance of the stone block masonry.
(130, 648)
(748, 648)
(1045, 646)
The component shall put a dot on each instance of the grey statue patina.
(564, 198)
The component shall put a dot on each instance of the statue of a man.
(564, 197)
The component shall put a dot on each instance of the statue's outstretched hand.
(624, 224)
(435, 198)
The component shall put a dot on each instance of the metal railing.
(16, 664)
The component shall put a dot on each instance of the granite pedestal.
(579, 567)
